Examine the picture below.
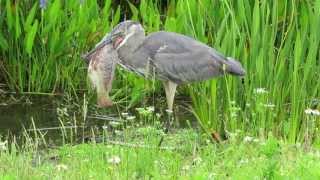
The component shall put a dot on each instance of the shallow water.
(17, 114)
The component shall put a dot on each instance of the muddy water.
(45, 113)
(18, 112)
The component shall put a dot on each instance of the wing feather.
(182, 59)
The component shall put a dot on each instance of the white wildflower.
(3, 145)
(260, 91)
(313, 112)
(212, 175)
(125, 114)
(234, 114)
(61, 167)
(269, 105)
(114, 123)
(197, 160)
(186, 167)
(130, 118)
(256, 140)
(117, 132)
(150, 109)
(114, 160)
(262, 143)
(238, 131)
(248, 139)
(169, 111)
(140, 110)
(243, 161)
(104, 127)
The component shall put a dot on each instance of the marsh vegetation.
(268, 122)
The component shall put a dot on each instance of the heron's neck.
(131, 44)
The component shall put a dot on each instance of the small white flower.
(130, 118)
(140, 109)
(61, 167)
(117, 132)
(256, 140)
(3, 145)
(248, 139)
(186, 167)
(313, 112)
(262, 143)
(150, 108)
(260, 91)
(114, 123)
(169, 111)
(234, 114)
(269, 105)
(212, 175)
(232, 135)
(114, 160)
(197, 160)
(104, 127)
(124, 114)
(243, 161)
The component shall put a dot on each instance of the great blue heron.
(173, 58)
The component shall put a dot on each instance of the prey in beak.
(102, 62)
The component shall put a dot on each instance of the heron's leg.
(170, 89)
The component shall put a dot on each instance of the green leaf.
(116, 17)
(134, 11)
(54, 12)
(31, 36)
(143, 10)
(106, 8)
(9, 14)
(17, 25)
(256, 18)
(30, 17)
(3, 42)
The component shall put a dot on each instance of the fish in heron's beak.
(102, 63)
(105, 41)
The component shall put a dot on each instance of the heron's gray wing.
(182, 59)
(187, 67)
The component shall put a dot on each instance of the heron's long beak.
(106, 40)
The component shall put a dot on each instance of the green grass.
(129, 150)
(276, 41)
(238, 158)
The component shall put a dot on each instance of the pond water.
(19, 114)
(16, 113)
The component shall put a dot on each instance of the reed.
(276, 41)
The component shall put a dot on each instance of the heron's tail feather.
(234, 67)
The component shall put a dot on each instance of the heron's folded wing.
(188, 66)
(181, 59)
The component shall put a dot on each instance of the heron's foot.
(167, 127)
(104, 102)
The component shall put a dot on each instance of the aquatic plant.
(277, 41)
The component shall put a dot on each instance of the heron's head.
(119, 36)
(124, 31)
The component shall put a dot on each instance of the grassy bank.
(276, 41)
(241, 157)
